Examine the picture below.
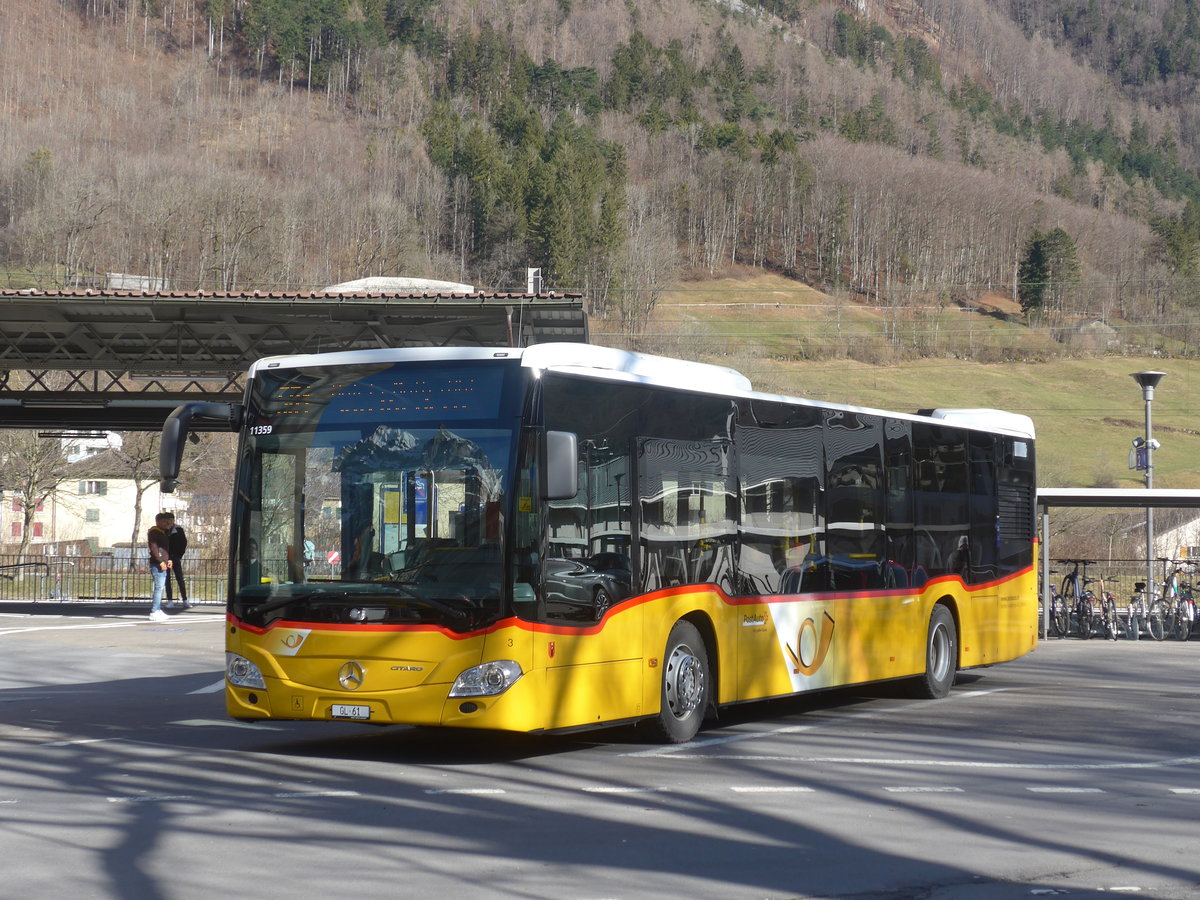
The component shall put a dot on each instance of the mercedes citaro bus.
(567, 536)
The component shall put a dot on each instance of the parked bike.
(1137, 616)
(1179, 606)
(1108, 608)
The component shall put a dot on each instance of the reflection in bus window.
(854, 502)
(781, 542)
(687, 500)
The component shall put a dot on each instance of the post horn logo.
(351, 675)
(811, 652)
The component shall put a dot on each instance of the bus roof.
(610, 364)
(989, 420)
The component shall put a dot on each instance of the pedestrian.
(158, 543)
(177, 546)
(251, 565)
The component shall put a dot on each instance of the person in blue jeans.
(158, 543)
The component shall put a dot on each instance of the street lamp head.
(1148, 381)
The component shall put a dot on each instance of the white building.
(96, 510)
(1181, 542)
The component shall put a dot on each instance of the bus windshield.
(376, 494)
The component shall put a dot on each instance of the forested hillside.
(898, 153)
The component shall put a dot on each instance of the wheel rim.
(940, 652)
(683, 681)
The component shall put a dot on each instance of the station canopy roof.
(1126, 498)
(112, 358)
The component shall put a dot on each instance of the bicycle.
(1081, 602)
(1157, 616)
(1185, 613)
(1138, 613)
(1108, 607)
(1179, 606)
(1058, 618)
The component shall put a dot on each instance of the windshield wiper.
(379, 592)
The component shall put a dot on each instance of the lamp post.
(1148, 381)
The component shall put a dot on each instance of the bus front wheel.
(941, 656)
(685, 684)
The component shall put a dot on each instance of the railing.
(103, 578)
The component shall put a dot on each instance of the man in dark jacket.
(177, 546)
(157, 542)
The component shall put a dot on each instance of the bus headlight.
(243, 673)
(487, 680)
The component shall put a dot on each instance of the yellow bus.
(567, 536)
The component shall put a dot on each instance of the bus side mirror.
(562, 465)
(175, 433)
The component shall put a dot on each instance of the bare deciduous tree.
(31, 469)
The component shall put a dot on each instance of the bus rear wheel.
(941, 656)
(685, 685)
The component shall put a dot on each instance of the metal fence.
(31, 578)
(104, 578)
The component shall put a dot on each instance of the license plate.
(344, 711)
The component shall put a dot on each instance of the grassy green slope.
(791, 339)
(1086, 411)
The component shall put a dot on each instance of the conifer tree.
(1049, 267)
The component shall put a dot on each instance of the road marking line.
(210, 689)
(947, 763)
(88, 625)
(80, 741)
(1185, 790)
(464, 791)
(601, 789)
(161, 798)
(680, 750)
(923, 790)
(1065, 790)
(765, 789)
(288, 795)
(29, 628)
(223, 723)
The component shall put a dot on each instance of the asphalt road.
(1072, 772)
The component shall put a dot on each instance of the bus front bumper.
(516, 709)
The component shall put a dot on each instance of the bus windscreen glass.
(375, 494)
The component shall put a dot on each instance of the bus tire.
(684, 688)
(941, 656)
